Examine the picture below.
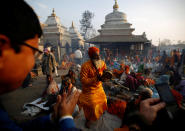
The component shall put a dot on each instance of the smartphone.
(165, 93)
(167, 96)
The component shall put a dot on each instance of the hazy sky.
(160, 19)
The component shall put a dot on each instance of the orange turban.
(92, 50)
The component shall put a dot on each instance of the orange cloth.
(63, 65)
(122, 66)
(72, 56)
(127, 69)
(157, 58)
(92, 50)
(179, 55)
(172, 61)
(117, 73)
(92, 99)
(124, 128)
(149, 82)
(33, 75)
(167, 60)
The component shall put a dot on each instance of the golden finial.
(53, 12)
(116, 6)
(73, 24)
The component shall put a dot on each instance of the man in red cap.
(92, 99)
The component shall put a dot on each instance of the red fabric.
(92, 50)
(127, 69)
(117, 73)
(117, 108)
(140, 78)
(131, 83)
(177, 96)
(138, 74)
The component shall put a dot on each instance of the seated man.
(19, 35)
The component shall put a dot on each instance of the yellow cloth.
(92, 99)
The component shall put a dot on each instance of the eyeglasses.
(37, 52)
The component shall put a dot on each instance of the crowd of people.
(82, 87)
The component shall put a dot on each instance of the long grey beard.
(98, 63)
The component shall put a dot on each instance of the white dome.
(53, 19)
(116, 17)
(116, 23)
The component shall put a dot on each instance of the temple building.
(56, 36)
(77, 40)
(116, 35)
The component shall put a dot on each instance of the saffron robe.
(92, 99)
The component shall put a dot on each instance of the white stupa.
(77, 39)
(116, 23)
(56, 36)
(116, 35)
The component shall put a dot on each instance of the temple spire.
(72, 24)
(116, 6)
(53, 12)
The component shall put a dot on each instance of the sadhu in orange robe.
(92, 99)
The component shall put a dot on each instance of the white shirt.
(78, 54)
(149, 65)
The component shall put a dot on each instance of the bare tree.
(91, 33)
(180, 42)
(86, 23)
(165, 42)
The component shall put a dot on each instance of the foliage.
(165, 42)
(169, 43)
(179, 42)
(86, 24)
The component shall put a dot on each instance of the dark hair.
(18, 21)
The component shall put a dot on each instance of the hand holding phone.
(167, 96)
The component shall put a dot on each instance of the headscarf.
(92, 50)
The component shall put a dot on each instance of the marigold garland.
(117, 108)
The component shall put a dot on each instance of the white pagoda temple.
(116, 35)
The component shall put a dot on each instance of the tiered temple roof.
(117, 29)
